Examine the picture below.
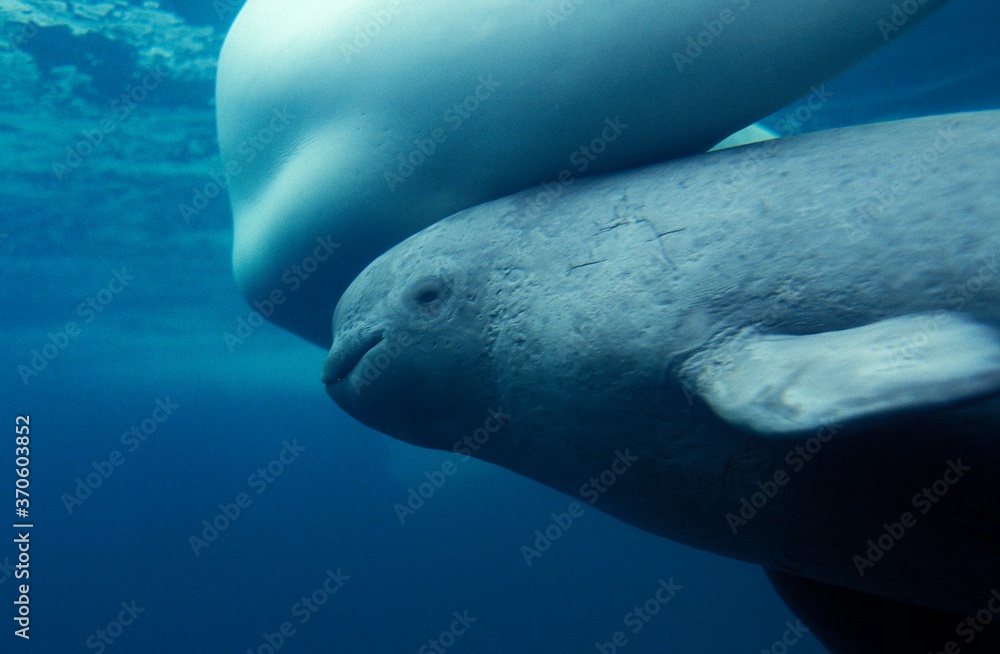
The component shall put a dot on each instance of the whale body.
(795, 345)
(357, 123)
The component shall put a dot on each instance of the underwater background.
(204, 489)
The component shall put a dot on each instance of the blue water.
(329, 506)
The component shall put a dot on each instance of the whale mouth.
(343, 359)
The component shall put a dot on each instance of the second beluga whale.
(347, 126)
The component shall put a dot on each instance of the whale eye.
(428, 295)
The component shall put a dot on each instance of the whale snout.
(346, 354)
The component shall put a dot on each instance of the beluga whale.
(795, 343)
(346, 126)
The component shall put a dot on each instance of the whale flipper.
(780, 385)
(850, 622)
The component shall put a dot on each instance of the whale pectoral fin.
(780, 385)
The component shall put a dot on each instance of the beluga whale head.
(410, 354)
